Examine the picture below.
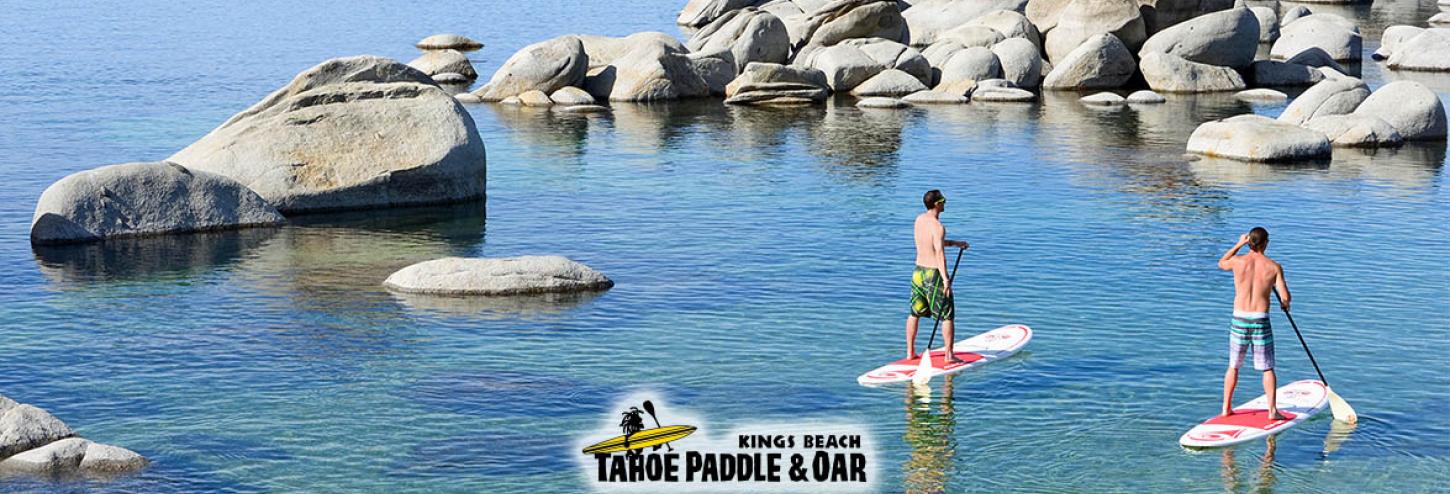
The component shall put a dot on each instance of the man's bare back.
(930, 236)
(1255, 275)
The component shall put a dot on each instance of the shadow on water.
(931, 425)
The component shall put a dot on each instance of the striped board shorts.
(1250, 331)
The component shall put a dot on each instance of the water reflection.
(859, 143)
(146, 257)
(931, 434)
(1339, 432)
(498, 307)
(1264, 477)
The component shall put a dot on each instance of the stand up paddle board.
(1298, 401)
(976, 351)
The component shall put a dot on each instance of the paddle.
(649, 407)
(1342, 411)
(923, 374)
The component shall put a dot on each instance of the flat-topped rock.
(1257, 138)
(771, 83)
(882, 103)
(1003, 95)
(1145, 96)
(522, 275)
(448, 41)
(345, 134)
(1261, 94)
(1103, 99)
(142, 199)
(934, 97)
(438, 62)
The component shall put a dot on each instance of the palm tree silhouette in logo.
(632, 422)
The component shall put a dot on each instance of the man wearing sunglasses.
(931, 289)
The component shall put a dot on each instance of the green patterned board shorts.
(927, 299)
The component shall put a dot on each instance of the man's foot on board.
(1275, 415)
(911, 356)
(1225, 413)
(952, 359)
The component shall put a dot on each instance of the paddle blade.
(923, 369)
(1342, 411)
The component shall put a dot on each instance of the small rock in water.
(994, 84)
(450, 78)
(934, 98)
(448, 42)
(1440, 18)
(58, 456)
(879, 102)
(1145, 97)
(535, 98)
(1261, 95)
(571, 96)
(1003, 95)
(467, 98)
(110, 459)
(34, 442)
(438, 62)
(498, 276)
(511, 100)
(1103, 99)
(890, 82)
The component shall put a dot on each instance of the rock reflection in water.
(498, 307)
(139, 258)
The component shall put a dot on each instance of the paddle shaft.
(950, 278)
(1301, 340)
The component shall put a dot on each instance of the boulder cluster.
(350, 133)
(34, 442)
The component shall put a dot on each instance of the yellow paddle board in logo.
(642, 439)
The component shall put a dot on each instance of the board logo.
(636, 437)
(656, 452)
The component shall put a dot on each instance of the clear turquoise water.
(761, 260)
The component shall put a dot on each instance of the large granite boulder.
(1428, 51)
(1257, 138)
(1334, 34)
(1168, 73)
(358, 132)
(138, 199)
(841, 20)
(544, 66)
(1011, 24)
(1228, 38)
(524, 275)
(928, 19)
(701, 12)
(1412, 109)
(1356, 131)
(749, 35)
(1334, 96)
(1101, 62)
(1021, 62)
(1392, 37)
(1044, 13)
(25, 427)
(972, 64)
(1276, 73)
(1268, 23)
(448, 42)
(58, 456)
(775, 84)
(434, 62)
(1082, 20)
(656, 72)
(852, 62)
(604, 50)
(1163, 14)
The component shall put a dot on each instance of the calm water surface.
(761, 258)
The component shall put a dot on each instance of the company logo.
(678, 454)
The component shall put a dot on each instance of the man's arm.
(1282, 286)
(1226, 262)
(956, 243)
(940, 239)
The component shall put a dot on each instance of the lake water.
(761, 259)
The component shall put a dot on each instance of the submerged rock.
(1003, 95)
(1103, 99)
(1414, 111)
(544, 66)
(139, 199)
(1261, 95)
(934, 97)
(1145, 97)
(448, 42)
(498, 276)
(1257, 138)
(345, 135)
(882, 103)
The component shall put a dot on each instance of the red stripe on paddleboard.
(1258, 419)
(939, 358)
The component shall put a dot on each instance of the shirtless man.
(1254, 276)
(931, 290)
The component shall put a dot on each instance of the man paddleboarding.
(1255, 275)
(931, 289)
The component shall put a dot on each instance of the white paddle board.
(1299, 401)
(976, 351)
